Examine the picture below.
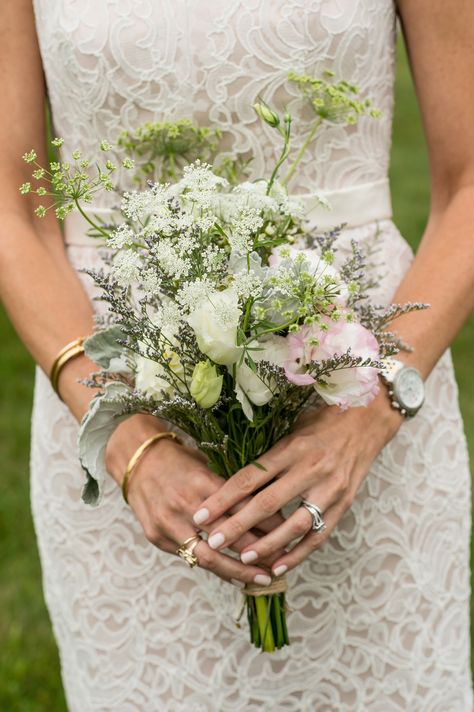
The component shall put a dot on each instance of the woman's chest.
(151, 39)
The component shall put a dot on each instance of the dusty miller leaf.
(104, 348)
(97, 426)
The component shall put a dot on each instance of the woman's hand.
(323, 460)
(166, 487)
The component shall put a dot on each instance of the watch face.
(409, 389)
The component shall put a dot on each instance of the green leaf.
(96, 428)
(251, 363)
(258, 465)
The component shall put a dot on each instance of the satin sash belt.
(353, 207)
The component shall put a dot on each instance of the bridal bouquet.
(226, 316)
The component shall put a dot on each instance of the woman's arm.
(326, 458)
(440, 41)
(40, 290)
(49, 308)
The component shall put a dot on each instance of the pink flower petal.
(299, 379)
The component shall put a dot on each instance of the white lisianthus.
(215, 323)
(149, 378)
(274, 350)
(150, 375)
(252, 385)
(206, 384)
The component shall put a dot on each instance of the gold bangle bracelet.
(70, 351)
(137, 455)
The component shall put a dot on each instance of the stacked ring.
(317, 524)
(186, 550)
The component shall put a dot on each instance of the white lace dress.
(379, 616)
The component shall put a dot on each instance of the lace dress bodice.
(114, 64)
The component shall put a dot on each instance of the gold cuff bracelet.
(137, 455)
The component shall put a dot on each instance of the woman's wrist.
(127, 437)
(125, 440)
(75, 394)
(387, 418)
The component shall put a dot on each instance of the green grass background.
(29, 669)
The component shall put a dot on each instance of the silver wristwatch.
(405, 386)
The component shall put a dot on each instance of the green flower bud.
(266, 114)
(206, 384)
(30, 157)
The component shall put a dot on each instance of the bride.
(380, 600)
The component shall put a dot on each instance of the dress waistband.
(355, 206)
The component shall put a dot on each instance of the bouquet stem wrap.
(266, 613)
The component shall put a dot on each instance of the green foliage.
(168, 147)
(334, 101)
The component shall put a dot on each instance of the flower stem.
(262, 604)
(283, 156)
(86, 217)
(277, 619)
(302, 150)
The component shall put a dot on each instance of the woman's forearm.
(45, 301)
(442, 275)
(49, 308)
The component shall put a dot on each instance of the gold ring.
(186, 550)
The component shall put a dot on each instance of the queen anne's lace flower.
(123, 236)
(171, 261)
(126, 268)
(244, 228)
(247, 284)
(191, 294)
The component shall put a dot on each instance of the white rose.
(215, 323)
(274, 350)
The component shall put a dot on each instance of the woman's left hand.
(323, 460)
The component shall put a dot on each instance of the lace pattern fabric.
(379, 617)
(123, 63)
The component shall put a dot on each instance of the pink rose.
(346, 387)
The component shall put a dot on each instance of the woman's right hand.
(168, 484)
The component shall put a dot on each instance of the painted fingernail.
(201, 516)
(216, 540)
(239, 584)
(263, 580)
(280, 570)
(248, 556)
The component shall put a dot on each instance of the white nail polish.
(262, 580)
(216, 540)
(248, 556)
(280, 570)
(239, 584)
(201, 516)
